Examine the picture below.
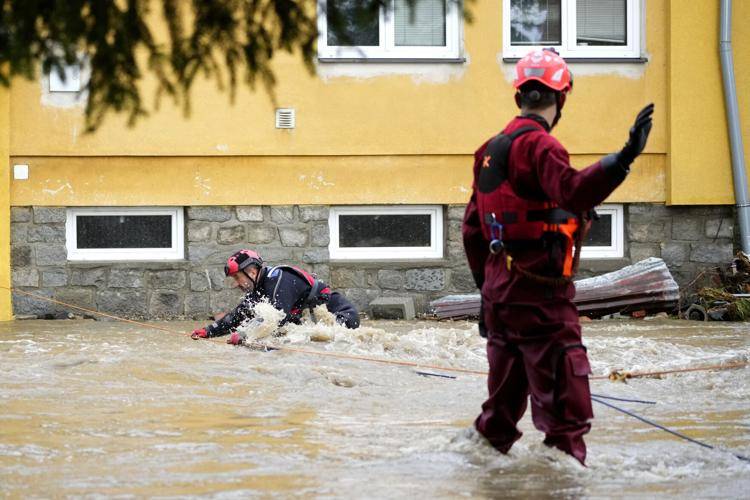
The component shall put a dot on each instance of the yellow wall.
(444, 179)
(367, 133)
(6, 312)
(699, 157)
(395, 138)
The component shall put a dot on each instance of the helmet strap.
(559, 103)
(253, 281)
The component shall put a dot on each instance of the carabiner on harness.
(496, 236)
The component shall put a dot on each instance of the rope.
(614, 375)
(622, 376)
(623, 399)
(99, 313)
(665, 429)
(397, 362)
(91, 311)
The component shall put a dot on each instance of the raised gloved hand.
(237, 338)
(638, 137)
(199, 333)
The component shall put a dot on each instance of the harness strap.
(547, 280)
(317, 287)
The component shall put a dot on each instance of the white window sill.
(370, 60)
(623, 60)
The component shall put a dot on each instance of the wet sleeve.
(234, 318)
(575, 190)
(475, 244)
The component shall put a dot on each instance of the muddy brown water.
(92, 408)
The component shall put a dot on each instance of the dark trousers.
(536, 351)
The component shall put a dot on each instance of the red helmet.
(240, 260)
(545, 66)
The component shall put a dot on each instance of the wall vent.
(285, 118)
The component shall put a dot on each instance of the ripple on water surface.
(92, 408)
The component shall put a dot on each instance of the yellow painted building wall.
(366, 133)
(398, 133)
(699, 162)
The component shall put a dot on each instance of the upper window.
(379, 233)
(125, 233)
(576, 28)
(394, 29)
(605, 239)
(70, 83)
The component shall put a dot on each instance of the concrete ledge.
(392, 308)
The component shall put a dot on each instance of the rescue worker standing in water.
(527, 213)
(288, 288)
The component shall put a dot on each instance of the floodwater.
(92, 408)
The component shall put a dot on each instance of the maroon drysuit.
(534, 337)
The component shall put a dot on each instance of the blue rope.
(429, 374)
(665, 429)
(625, 400)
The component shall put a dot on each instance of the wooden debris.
(644, 286)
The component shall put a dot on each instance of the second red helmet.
(242, 259)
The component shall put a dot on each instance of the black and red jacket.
(540, 181)
(288, 288)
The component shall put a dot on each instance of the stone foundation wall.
(689, 239)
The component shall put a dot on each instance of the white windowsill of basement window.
(112, 257)
(377, 263)
(385, 254)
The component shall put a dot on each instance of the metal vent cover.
(285, 118)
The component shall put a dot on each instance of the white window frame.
(72, 81)
(617, 249)
(387, 48)
(569, 49)
(176, 252)
(434, 251)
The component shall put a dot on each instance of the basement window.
(125, 234)
(605, 239)
(386, 232)
(575, 28)
(393, 29)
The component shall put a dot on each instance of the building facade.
(363, 174)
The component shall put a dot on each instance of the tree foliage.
(121, 40)
(223, 39)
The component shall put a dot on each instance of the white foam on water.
(459, 346)
(264, 322)
(648, 354)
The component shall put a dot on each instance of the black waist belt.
(525, 245)
(548, 215)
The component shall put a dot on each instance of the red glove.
(199, 333)
(237, 338)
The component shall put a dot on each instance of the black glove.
(638, 137)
